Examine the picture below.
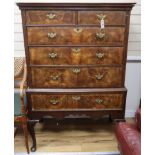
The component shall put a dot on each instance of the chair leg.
(24, 125)
(15, 131)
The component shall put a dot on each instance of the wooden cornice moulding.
(75, 1)
(119, 6)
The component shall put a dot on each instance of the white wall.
(133, 84)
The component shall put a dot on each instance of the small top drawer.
(94, 17)
(50, 17)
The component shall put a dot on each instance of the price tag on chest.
(102, 23)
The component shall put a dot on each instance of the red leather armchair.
(129, 136)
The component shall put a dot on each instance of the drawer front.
(76, 55)
(47, 102)
(50, 17)
(95, 17)
(75, 36)
(96, 101)
(43, 101)
(76, 77)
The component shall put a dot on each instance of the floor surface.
(72, 136)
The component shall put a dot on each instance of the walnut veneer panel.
(76, 77)
(76, 55)
(94, 17)
(50, 17)
(49, 102)
(75, 36)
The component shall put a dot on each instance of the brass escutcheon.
(77, 30)
(55, 77)
(99, 101)
(76, 70)
(100, 35)
(54, 101)
(99, 55)
(53, 55)
(101, 16)
(51, 35)
(99, 76)
(51, 15)
(76, 50)
(76, 98)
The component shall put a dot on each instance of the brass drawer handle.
(51, 35)
(51, 15)
(99, 101)
(99, 76)
(76, 98)
(76, 70)
(100, 55)
(54, 101)
(77, 30)
(101, 16)
(53, 55)
(55, 77)
(76, 50)
(100, 35)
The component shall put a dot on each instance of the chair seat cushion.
(20, 119)
(129, 139)
(17, 105)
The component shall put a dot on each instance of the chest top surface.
(123, 4)
(75, 1)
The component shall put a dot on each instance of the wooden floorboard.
(89, 136)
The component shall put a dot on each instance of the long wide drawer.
(50, 17)
(95, 17)
(75, 36)
(76, 55)
(47, 77)
(73, 101)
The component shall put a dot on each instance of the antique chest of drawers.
(76, 59)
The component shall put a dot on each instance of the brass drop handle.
(76, 98)
(53, 55)
(51, 15)
(55, 77)
(77, 30)
(100, 55)
(76, 70)
(76, 50)
(101, 16)
(100, 35)
(99, 101)
(99, 76)
(54, 101)
(51, 35)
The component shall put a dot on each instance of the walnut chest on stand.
(76, 59)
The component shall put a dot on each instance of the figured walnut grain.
(67, 36)
(85, 56)
(86, 101)
(112, 17)
(41, 17)
(41, 77)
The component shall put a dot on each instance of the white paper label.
(102, 24)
